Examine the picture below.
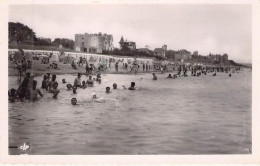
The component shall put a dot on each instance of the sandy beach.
(41, 69)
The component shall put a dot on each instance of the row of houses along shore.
(97, 43)
(100, 42)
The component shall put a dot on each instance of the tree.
(66, 43)
(170, 54)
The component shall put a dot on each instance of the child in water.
(132, 86)
(115, 86)
(12, 94)
(83, 86)
(98, 78)
(154, 76)
(73, 101)
(55, 90)
(108, 90)
(44, 82)
(63, 81)
(90, 82)
(69, 86)
(169, 76)
(74, 88)
(33, 93)
(77, 81)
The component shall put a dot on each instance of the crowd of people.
(22, 66)
(28, 88)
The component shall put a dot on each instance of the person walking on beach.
(116, 66)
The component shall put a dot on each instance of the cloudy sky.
(205, 28)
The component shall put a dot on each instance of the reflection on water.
(193, 115)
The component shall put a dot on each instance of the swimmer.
(83, 86)
(97, 99)
(33, 93)
(48, 76)
(49, 87)
(74, 88)
(55, 90)
(69, 86)
(215, 74)
(169, 76)
(77, 81)
(154, 76)
(132, 86)
(73, 101)
(98, 80)
(90, 81)
(108, 90)
(44, 82)
(63, 81)
(12, 94)
(229, 75)
(115, 86)
(94, 96)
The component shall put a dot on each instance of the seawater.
(187, 115)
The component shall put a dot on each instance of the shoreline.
(13, 72)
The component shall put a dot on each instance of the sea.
(186, 115)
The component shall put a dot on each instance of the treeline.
(22, 34)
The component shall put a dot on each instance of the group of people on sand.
(22, 66)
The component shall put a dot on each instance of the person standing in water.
(34, 92)
(132, 87)
(51, 83)
(115, 86)
(55, 90)
(77, 81)
(154, 76)
(116, 66)
(90, 82)
(108, 90)
(44, 82)
(22, 90)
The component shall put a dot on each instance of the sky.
(205, 28)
